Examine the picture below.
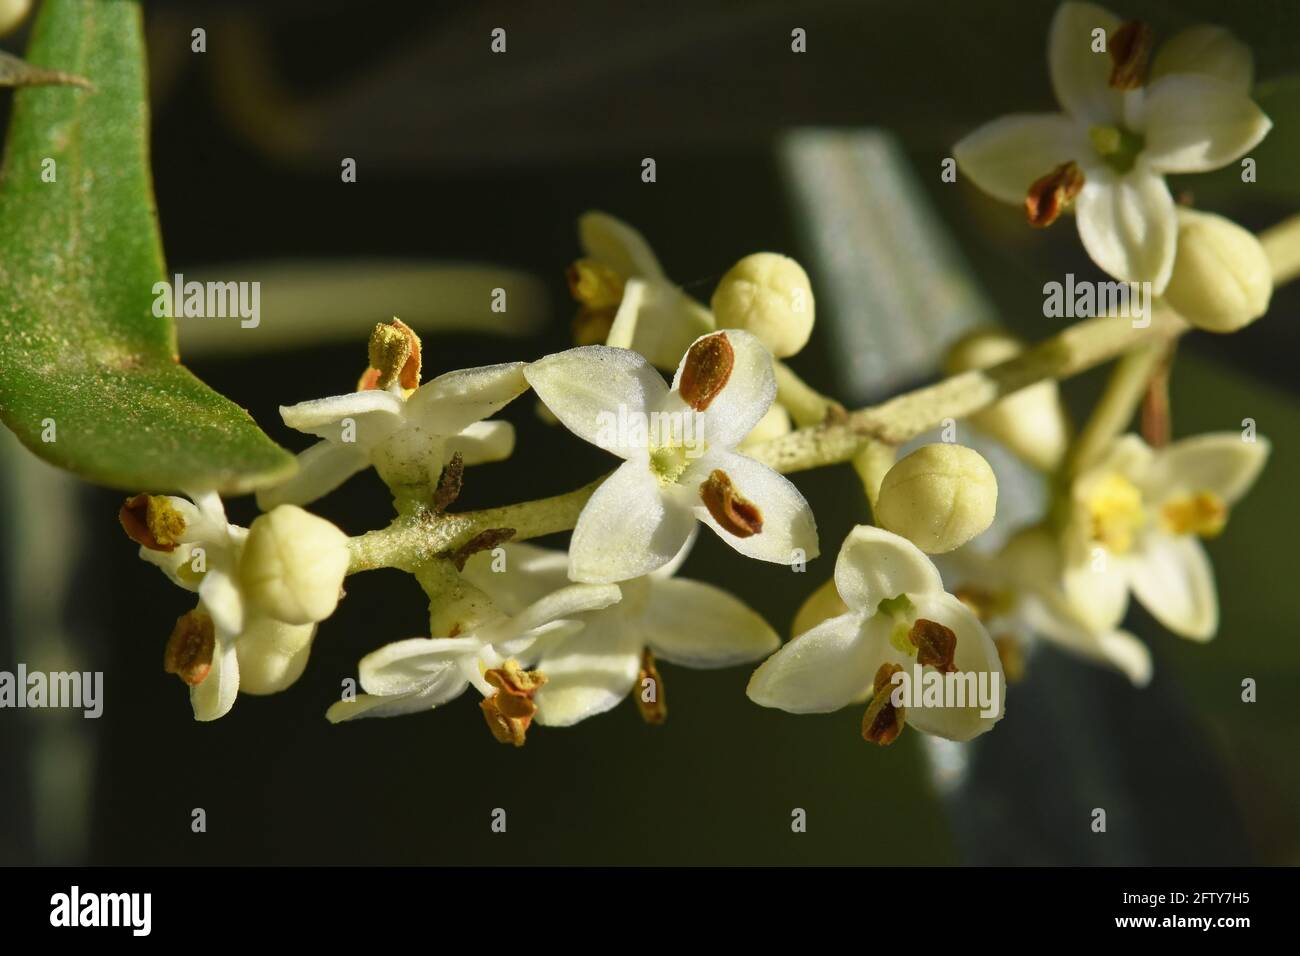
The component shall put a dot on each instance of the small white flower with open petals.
(407, 437)
(589, 672)
(1134, 523)
(621, 278)
(1121, 130)
(421, 673)
(680, 465)
(898, 617)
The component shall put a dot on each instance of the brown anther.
(592, 326)
(450, 482)
(706, 370)
(152, 521)
(1012, 655)
(190, 648)
(883, 722)
(595, 285)
(1130, 49)
(935, 644)
(369, 379)
(1050, 194)
(649, 691)
(984, 603)
(395, 355)
(510, 711)
(735, 514)
(483, 541)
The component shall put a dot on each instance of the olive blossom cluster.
(920, 623)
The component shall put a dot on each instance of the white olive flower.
(1017, 594)
(407, 436)
(1119, 133)
(898, 616)
(225, 635)
(589, 672)
(421, 673)
(679, 464)
(626, 297)
(1134, 520)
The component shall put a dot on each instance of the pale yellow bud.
(774, 423)
(272, 654)
(12, 13)
(1030, 422)
(769, 295)
(939, 497)
(1221, 280)
(293, 565)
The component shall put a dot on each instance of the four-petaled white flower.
(654, 316)
(407, 437)
(1134, 520)
(421, 673)
(1017, 594)
(679, 465)
(1119, 133)
(899, 616)
(225, 635)
(589, 672)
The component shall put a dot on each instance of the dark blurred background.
(465, 156)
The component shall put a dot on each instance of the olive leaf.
(89, 375)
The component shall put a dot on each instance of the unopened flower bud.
(1030, 422)
(272, 654)
(939, 497)
(1221, 279)
(12, 13)
(293, 565)
(769, 295)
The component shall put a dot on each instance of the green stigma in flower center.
(667, 462)
(1117, 146)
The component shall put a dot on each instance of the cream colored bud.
(272, 654)
(12, 13)
(293, 565)
(1030, 422)
(774, 423)
(769, 295)
(939, 497)
(1221, 280)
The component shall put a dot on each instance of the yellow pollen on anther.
(1203, 513)
(509, 712)
(152, 521)
(1115, 513)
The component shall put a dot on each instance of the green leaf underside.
(79, 257)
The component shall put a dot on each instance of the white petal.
(875, 565)
(822, 604)
(616, 244)
(1099, 597)
(568, 601)
(628, 528)
(1080, 76)
(528, 574)
(417, 664)
(375, 412)
(789, 533)
(746, 396)
(321, 468)
(1049, 615)
(594, 388)
(1207, 50)
(975, 654)
(1005, 157)
(1172, 577)
(171, 562)
(824, 669)
(675, 565)
(1221, 463)
(483, 442)
(450, 403)
(215, 695)
(1197, 123)
(374, 705)
(667, 322)
(699, 625)
(220, 597)
(1127, 224)
(588, 673)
